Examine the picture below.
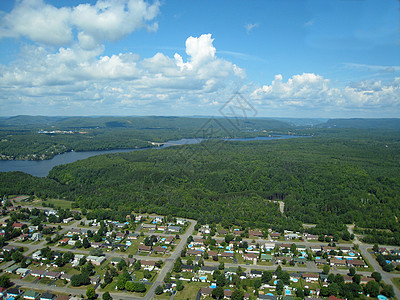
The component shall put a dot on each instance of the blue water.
(351, 254)
(287, 292)
(381, 297)
(213, 286)
(230, 251)
(295, 280)
(203, 278)
(269, 294)
(41, 168)
(349, 258)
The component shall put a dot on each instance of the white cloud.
(249, 27)
(75, 75)
(311, 91)
(107, 20)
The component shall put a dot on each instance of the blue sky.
(135, 57)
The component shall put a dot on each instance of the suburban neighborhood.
(58, 253)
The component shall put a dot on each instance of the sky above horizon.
(328, 59)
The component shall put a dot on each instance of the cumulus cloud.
(106, 20)
(77, 75)
(315, 92)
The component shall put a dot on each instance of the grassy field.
(64, 204)
(396, 282)
(190, 290)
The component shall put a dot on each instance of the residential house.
(22, 271)
(47, 296)
(144, 248)
(255, 233)
(67, 220)
(337, 262)
(188, 268)
(168, 240)
(180, 221)
(356, 263)
(36, 236)
(275, 235)
(66, 276)
(212, 253)
(63, 241)
(175, 229)
(227, 255)
(321, 261)
(255, 274)
(206, 291)
(38, 273)
(250, 256)
(14, 292)
(310, 277)
(207, 269)
(194, 252)
(266, 257)
(148, 264)
(53, 275)
(159, 249)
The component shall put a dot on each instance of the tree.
(266, 276)
(300, 293)
(221, 280)
(91, 292)
(388, 291)
(107, 296)
(4, 281)
(372, 288)
(107, 277)
(352, 271)
(279, 287)
(218, 293)
(179, 285)
(375, 248)
(237, 295)
(178, 265)
(326, 269)
(85, 243)
(17, 256)
(357, 278)
(388, 268)
(377, 276)
(159, 290)
(121, 264)
(137, 265)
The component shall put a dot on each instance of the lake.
(41, 168)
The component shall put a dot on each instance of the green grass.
(396, 282)
(189, 291)
(64, 204)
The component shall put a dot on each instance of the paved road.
(169, 262)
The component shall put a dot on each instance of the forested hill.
(30, 137)
(362, 123)
(324, 179)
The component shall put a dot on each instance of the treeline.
(326, 180)
(20, 138)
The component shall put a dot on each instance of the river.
(41, 168)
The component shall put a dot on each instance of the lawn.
(64, 204)
(396, 282)
(190, 290)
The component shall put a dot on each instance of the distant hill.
(362, 123)
(29, 120)
(148, 122)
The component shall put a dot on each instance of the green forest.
(334, 177)
(22, 137)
